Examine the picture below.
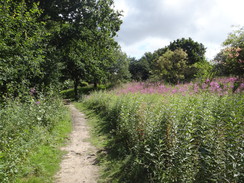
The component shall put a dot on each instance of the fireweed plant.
(194, 137)
(221, 86)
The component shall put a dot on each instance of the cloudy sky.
(152, 24)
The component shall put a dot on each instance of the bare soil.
(79, 164)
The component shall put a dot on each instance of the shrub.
(24, 127)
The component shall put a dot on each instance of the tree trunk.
(76, 83)
(95, 83)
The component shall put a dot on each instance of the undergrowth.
(174, 138)
(30, 136)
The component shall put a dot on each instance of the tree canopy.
(171, 66)
(43, 42)
(230, 60)
(148, 66)
(195, 52)
(22, 47)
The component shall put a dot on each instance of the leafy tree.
(195, 52)
(204, 70)
(41, 38)
(171, 66)
(219, 68)
(231, 58)
(58, 15)
(101, 60)
(235, 39)
(21, 47)
(141, 69)
(196, 64)
(86, 43)
(58, 10)
(119, 71)
(74, 64)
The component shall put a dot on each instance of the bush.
(24, 128)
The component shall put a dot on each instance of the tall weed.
(175, 138)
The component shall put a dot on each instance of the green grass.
(41, 165)
(44, 161)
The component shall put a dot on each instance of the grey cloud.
(150, 18)
(205, 21)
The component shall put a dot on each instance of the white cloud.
(152, 24)
(121, 5)
(149, 44)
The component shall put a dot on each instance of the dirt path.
(78, 165)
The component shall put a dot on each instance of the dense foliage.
(89, 44)
(45, 42)
(172, 65)
(230, 60)
(21, 48)
(24, 128)
(195, 51)
(174, 138)
(139, 69)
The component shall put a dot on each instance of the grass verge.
(44, 161)
(109, 160)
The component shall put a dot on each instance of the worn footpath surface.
(79, 164)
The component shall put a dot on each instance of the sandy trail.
(79, 164)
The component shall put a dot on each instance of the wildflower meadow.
(220, 86)
(184, 133)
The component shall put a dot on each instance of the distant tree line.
(183, 60)
(180, 61)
